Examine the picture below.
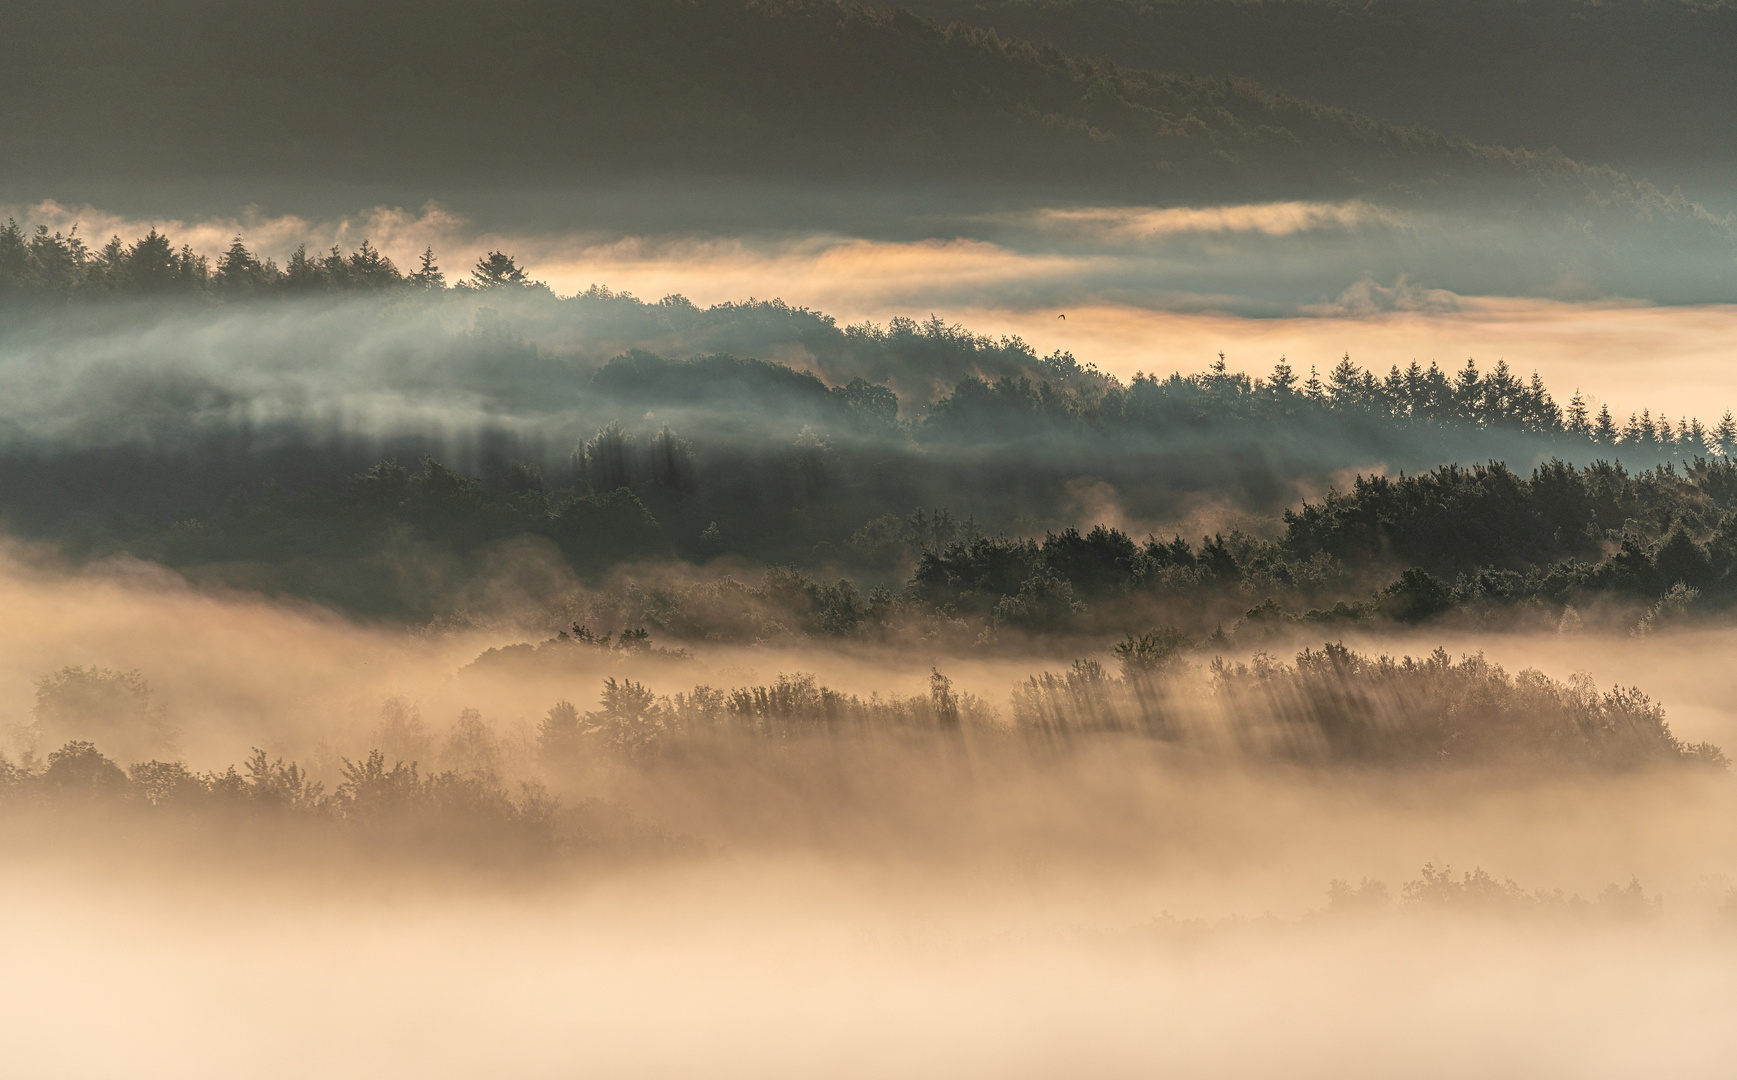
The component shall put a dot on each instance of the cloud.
(1267, 219)
(1368, 297)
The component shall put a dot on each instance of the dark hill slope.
(1646, 85)
(449, 93)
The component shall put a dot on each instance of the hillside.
(539, 92)
(1644, 86)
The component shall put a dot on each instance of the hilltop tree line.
(1416, 394)
(45, 266)
(40, 266)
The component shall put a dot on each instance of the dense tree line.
(1004, 389)
(1433, 542)
(1664, 539)
(40, 266)
(1330, 706)
(1430, 396)
(376, 805)
(1645, 549)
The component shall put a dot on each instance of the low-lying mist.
(954, 864)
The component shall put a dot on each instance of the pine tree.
(1468, 392)
(1345, 384)
(1501, 394)
(151, 263)
(428, 274)
(14, 257)
(1393, 394)
(1416, 390)
(1577, 415)
(1369, 392)
(1282, 383)
(238, 271)
(57, 262)
(1439, 393)
(336, 270)
(1647, 432)
(191, 270)
(1312, 389)
(498, 270)
(1541, 411)
(304, 274)
(1726, 434)
(369, 269)
(1604, 429)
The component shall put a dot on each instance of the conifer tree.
(1647, 432)
(498, 270)
(1468, 392)
(238, 271)
(369, 269)
(1578, 423)
(1283, 381)
(428, 274)
(1605, 429)
(151, 265)
(1416, 390)
(1501, 393)
(14, 257)
(1393, 394)
(1345, 383)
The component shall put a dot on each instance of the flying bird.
(1061, 316)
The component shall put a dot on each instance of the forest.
(880, 506)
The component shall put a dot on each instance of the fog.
(973, 910)
(639, 987)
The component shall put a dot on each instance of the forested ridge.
(937, 471)
(42, 268)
